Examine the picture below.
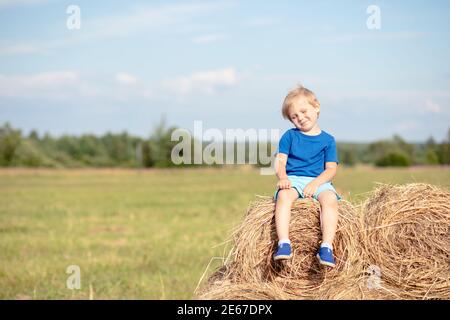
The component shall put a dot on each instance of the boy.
(305, 164)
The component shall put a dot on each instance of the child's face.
(303, 115)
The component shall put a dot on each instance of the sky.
(378, 68)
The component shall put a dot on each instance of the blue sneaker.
(283, 252)
(325, 256)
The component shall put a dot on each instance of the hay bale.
(408, 238)
(359, 287)
(227, 290)
(301, 277)
(401, 230)
(256, 241)
(220, 277)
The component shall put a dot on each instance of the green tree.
(147, 155)
(431, 151)
(160, 145)
(394, 159)
(9, 142)
(27, 154)
(430, 143)
(443, 150)
(394, 152)
(348, 157)
(121, 148)
(33, 135)
(431, 157)
(406, 148)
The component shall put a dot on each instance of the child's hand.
(310, 189)
(284, 184)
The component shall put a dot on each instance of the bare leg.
(283, 211)
(329, 215)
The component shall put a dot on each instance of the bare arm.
(328, 174)
(280, 170)
(280, 165)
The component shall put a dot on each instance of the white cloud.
(13, 3)
(433, 107)
(209, 38)
(118, 87)
(36, 85)
(406, 100)
(145, 18)
(148, 19)
(125, 78)
(407, 126)
(371, 35)
(260, 22)
(20, 48)
(206, 82)
(90, 88)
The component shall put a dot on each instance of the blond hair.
(294, 94)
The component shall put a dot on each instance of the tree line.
(124, 150)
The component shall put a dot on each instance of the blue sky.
(226, 63)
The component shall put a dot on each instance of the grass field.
(136, 234)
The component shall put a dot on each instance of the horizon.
(99, 135)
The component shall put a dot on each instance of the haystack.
(407, 240)
(228, 290)
(395, 246)
(255, 241)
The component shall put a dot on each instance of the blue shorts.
(299, 183)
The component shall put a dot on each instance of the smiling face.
(303, 115)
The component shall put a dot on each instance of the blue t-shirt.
(307, 155)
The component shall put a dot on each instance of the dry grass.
(301, 277)
(395, 246)
(408, 238)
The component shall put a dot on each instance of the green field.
(136, 234)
